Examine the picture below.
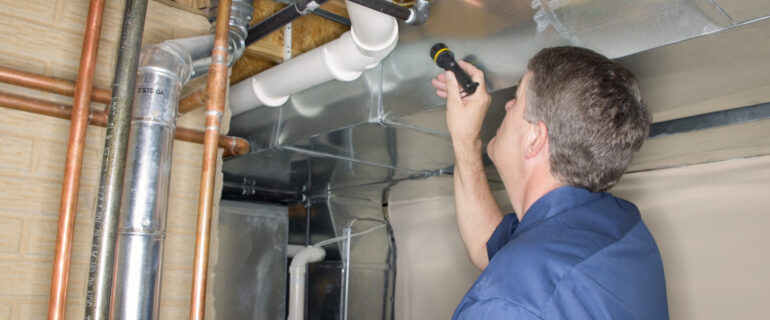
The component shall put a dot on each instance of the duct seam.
(722, 11)
(545, 15)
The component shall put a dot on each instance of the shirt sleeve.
(502, 234)
(494, 309)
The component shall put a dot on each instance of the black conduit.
(386, 7)
(113, 163)
(280, 18)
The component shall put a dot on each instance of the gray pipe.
(113, 163)
(163, 70)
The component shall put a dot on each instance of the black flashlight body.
(445, 59)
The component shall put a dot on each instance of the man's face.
(506, 149)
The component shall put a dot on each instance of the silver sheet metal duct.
(367, 266)
(387, 129)
(250, 268)
(163, 70)
(389, 125)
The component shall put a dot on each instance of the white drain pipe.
(372, 36)
(298, 272)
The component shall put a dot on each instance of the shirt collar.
(555, 202)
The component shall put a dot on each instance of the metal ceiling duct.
(163, 70)
(357, 140)
(389, 125)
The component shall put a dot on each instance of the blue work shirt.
(575, 255)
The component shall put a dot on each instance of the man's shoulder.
(596, 244)
(572, 236)
(623, 280)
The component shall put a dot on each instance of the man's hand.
(465, 115)
(477, 212)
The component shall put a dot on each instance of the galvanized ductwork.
(163, 70)
(387, 126)
(388, 123)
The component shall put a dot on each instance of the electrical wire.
(340, 238)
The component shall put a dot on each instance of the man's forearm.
(477, 212)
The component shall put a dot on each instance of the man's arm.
(477, 212)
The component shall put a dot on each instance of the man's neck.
(534, 188)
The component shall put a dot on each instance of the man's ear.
(536, 140)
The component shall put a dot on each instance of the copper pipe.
(49, 84)
(67, 88)
(193, 101)
(217, 89)
(233, 146)
(77, 141)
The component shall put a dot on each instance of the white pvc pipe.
(372, 36)
(293, 249)
(298, 275)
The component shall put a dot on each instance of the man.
(570, 251)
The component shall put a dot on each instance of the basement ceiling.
(308, 32)
(692, 57)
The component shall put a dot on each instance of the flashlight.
(445, 59)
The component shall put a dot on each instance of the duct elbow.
(166, 58)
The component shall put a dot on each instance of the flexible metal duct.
(163, 70)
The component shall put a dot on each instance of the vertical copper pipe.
(49, 84)
(69, 197)
(217, 90)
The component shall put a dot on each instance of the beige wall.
(711, 222)
(433, 271)
(45, 36)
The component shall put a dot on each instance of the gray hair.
(593, 111)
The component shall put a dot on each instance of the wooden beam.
(266, 49)
(192, 6)
(271, 46)
(336, 7)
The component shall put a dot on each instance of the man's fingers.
(438, 84)
(471, 70)
(452, 88)
(475, 73)
(441, 93)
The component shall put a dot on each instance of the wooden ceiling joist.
(309, 32)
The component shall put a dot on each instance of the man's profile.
(571, 250)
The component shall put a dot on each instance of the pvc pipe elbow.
(298, 270)
(376, 50)
(307, 255)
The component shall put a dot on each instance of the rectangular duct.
(249, 275)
